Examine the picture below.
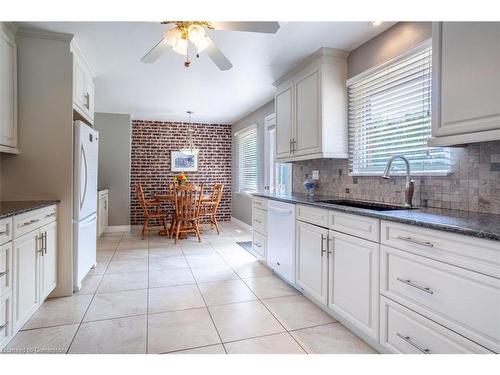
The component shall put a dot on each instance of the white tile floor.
(152, 296)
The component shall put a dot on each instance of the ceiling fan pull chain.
(187, 63)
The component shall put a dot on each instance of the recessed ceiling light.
(376, 23)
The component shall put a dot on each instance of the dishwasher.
(281, 239)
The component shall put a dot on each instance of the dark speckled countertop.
(468, 223)
(11, 208)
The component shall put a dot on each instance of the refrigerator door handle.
(84, 160)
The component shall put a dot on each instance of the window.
(280, 174)
(390, 114)
(246, 151)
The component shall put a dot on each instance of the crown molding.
(43, 34)
(324, 53)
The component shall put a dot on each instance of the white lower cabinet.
(312, 264)
(26, 268)
(404, 331)
(353, 281)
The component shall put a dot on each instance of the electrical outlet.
(315, 175)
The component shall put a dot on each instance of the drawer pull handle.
(30, 222)
(4, 233)
(4, 325)
(257, 244)
(4, 273)
(409, 239)
(411, 283)
(258, 221)
(409, 341)
(50, 215)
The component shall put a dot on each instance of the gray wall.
(392, 42)
(114, 163)
(241, 207)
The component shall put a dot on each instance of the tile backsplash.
(473, 185)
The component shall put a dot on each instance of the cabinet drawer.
(260, 203)
(465, 301)
(404, 331)
(356, 225)
(5, 268)
(32, 220)
(260, 221)
(5, 320)
(313, 215)
(5, 230)
(259, 244)
(465, 251)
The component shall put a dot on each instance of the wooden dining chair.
(209, 207)
(187, 210)
(151, 210)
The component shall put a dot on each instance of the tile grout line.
(204, 301)
(93, 296)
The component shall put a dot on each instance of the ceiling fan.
(184, 33)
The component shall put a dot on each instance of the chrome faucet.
(410, 185)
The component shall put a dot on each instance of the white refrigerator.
(85, 201)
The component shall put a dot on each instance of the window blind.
(390, 114)
(246, 149)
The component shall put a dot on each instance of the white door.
(49, 260)
(308, 124)
(8, 126)
(284, 122)
(26, 257)
(353, 281)
(86, 149)
(85, 248)
(312, 265)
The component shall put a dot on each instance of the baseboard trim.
(117, 228)
(241, 223)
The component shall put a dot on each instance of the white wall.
(115, 132)
(241, 207)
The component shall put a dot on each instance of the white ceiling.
(166, 89)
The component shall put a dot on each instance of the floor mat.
(247, 245)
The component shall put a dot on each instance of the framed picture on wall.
(181, 162)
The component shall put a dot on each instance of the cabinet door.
(466, 57)
(8, 106)
(106, 212)
(353, 281)
(312, 265)
(79, 82)
(48, 271)
(284, 121)
(308, 115)
(101, 216)
(26, 258)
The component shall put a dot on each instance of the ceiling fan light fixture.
(181, 47)
(172, 36)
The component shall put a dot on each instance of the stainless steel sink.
(366, 205)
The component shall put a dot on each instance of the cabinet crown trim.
(322, 53)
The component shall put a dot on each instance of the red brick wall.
(152, 142)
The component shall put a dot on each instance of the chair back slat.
(140, 196)
(187, 201)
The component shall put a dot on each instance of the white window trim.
(375, 69)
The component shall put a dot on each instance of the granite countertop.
(462, 222)
(11, 208)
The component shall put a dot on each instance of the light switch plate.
(315, 175)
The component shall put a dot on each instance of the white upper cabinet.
(83, 84)
(466, 83)
(310, 102)
(8, 90)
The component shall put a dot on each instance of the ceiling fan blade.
(155, 52)
(255, 27)
(217, 56)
